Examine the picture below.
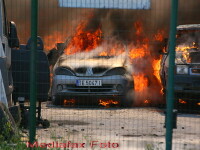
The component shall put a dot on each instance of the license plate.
(88, 83)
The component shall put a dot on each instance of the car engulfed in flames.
(106, 67)
(87, 79)
(187, 65)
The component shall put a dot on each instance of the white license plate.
(88, 83)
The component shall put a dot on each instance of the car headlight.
(64, 71)
(116, 71)
(182, 69)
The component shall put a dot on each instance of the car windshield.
(187, 47)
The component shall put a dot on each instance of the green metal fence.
(144, 34)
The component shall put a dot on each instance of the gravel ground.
(129, 129)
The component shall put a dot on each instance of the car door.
(6, 61)
(4, 34)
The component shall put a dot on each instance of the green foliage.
(6, 139)
(9, 141)
(6, 134)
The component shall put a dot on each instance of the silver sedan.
(89, 79)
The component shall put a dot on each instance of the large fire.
(139, 52)
(141, 82)
(148, 65)
(55, 37)
(144, 61)
(84, 40)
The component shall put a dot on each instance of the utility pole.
(170, 85)
(33, 62)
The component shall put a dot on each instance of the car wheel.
(126, 104)
(127, 101)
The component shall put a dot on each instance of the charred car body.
(90, 78)
(187, 65)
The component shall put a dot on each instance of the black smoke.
(114, 22)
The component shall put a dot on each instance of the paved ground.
(131, 129)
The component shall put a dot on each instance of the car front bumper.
(108, 88)
(187, 86)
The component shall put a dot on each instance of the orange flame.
(103, 54)
(84, 40)
(159, 36)
(141, 82)
(156, 67)
(51, 40)
(107, 103)
(51, 74)
(138, 27)
(184, 50)
(139, 52)
(146, 101)
(182, 101)
(112, 52)
(69, 101)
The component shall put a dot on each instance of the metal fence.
(108, 74)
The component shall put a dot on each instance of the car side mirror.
(165, 47)
(163, 52)
(13, 37)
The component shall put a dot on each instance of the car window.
(187, 46)
(188, 38)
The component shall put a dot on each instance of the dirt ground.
(117, 128)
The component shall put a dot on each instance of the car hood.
(90, 62)
(91, 65)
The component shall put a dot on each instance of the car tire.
(7, 119)
(126, 104)
(127, 101)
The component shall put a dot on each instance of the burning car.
(91, 78)
(187, 69)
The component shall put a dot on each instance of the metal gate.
(113, 67)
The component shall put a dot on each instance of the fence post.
(170, 85)
(33, 85)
